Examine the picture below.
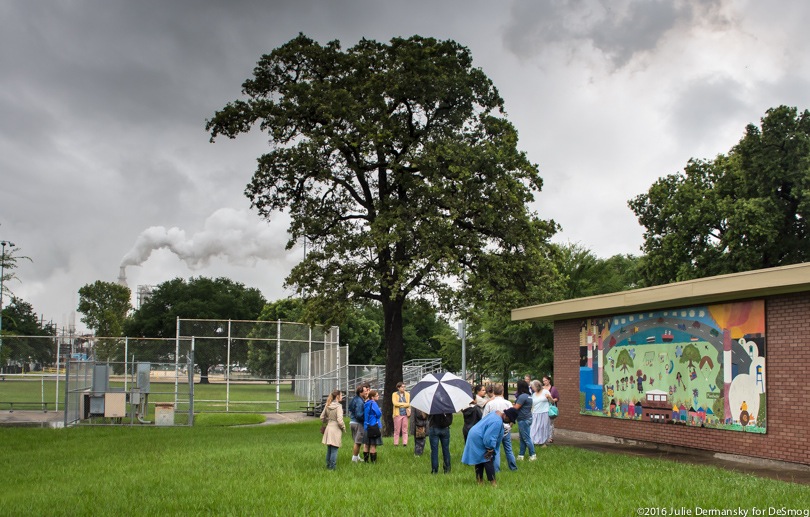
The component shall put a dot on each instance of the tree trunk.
(204, 373)
(395, 352)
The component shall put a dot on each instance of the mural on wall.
(697, 366)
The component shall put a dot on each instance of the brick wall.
(787, 363)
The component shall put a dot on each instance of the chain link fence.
(208, 366)
(237, 366)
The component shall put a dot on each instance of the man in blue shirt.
(356, 419)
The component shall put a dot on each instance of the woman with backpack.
(473, 413)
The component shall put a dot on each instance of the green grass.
(251, 397)
(227, 419)
(30, 388)
(280, 469)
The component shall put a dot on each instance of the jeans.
(331, 457)
(525, 430)
(436, 434)
(507, 449)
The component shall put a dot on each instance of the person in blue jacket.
(483, 444)
(373, 438)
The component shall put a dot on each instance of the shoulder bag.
(373, 432)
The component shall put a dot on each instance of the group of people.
(487, 425)
(364, 423)
(530, 411)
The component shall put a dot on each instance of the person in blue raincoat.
(483, 444)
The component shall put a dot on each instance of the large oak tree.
(398, 167)
(738, 212)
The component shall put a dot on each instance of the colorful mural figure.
(697, 366)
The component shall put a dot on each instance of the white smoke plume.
(239, 236)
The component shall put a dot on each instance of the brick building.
(656, 326)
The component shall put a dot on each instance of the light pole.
(2, 276)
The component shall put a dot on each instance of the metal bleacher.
(412, 372)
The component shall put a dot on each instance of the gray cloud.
(619, 30)
(703, 108)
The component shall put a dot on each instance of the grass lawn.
(252, 397)
(212, 469)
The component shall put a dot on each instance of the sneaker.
(520, 458)
(355, 459)
(532, 457)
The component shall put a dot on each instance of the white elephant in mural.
(747, 387)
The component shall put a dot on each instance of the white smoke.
(239, 236)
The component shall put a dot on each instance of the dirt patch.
(286, 418)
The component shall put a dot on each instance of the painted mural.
(697, 366)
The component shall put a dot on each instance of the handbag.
(553, 411)
(373, 432)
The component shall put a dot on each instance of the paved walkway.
(782, 471)
(32, 418)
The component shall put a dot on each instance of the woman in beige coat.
(332, 419)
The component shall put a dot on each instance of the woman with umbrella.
(483, 444)
(440, 395)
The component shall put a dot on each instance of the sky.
(105, 161)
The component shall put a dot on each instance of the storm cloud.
(104, 155)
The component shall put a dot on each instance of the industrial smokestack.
(122, 276)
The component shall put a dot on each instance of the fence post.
(228, 372)
(58, 350)
(278, 366)
(190, 384)
(126, 352)
(177, 359)
(67, 384)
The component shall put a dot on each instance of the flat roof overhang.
(737, 286)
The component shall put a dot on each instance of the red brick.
(787, 324)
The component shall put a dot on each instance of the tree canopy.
(9, 257)
(105, 306)
(197, 298)
(741, 211)
(19, 319)
(584, 274)
(397, 164)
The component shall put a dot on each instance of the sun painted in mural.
(697, 366)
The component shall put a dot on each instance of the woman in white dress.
(541, 425)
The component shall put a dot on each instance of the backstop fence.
(208, 366)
